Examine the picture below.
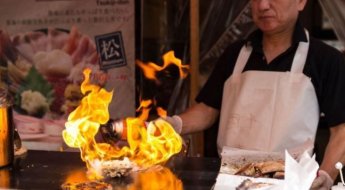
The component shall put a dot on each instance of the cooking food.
(117, 168)
(89, 185)
(271, 169)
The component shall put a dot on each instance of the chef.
(270, 90)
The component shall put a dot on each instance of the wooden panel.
(196, 143)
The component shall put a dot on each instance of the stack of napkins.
(299, 175)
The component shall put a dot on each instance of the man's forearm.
(335, 151)
(197, 118)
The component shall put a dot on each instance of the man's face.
(273, 16)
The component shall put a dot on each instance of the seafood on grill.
(270, 169)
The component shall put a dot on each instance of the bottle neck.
(109, 132)
(119, 127)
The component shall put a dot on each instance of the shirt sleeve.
(331, 87)
(212, 92)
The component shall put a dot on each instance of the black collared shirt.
(324, 65)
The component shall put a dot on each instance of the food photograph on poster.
(47, 53)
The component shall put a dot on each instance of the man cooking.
(270, 90)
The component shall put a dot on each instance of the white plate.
(33, 136)
(230, 182)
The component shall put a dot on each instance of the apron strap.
(242, 59)
(297, 64)
(300, 56)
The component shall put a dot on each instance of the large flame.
(148, 143)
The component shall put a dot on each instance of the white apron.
(268, 111)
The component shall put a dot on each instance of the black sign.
(111, 50)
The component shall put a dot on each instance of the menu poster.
(45, 46)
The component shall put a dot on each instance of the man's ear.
(301, 4)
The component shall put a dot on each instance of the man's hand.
(175, 121)
(322, 182)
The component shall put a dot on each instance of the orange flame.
(150, 69)
(152, 179)
(157, 178)
(148, 146)
(145, 109)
